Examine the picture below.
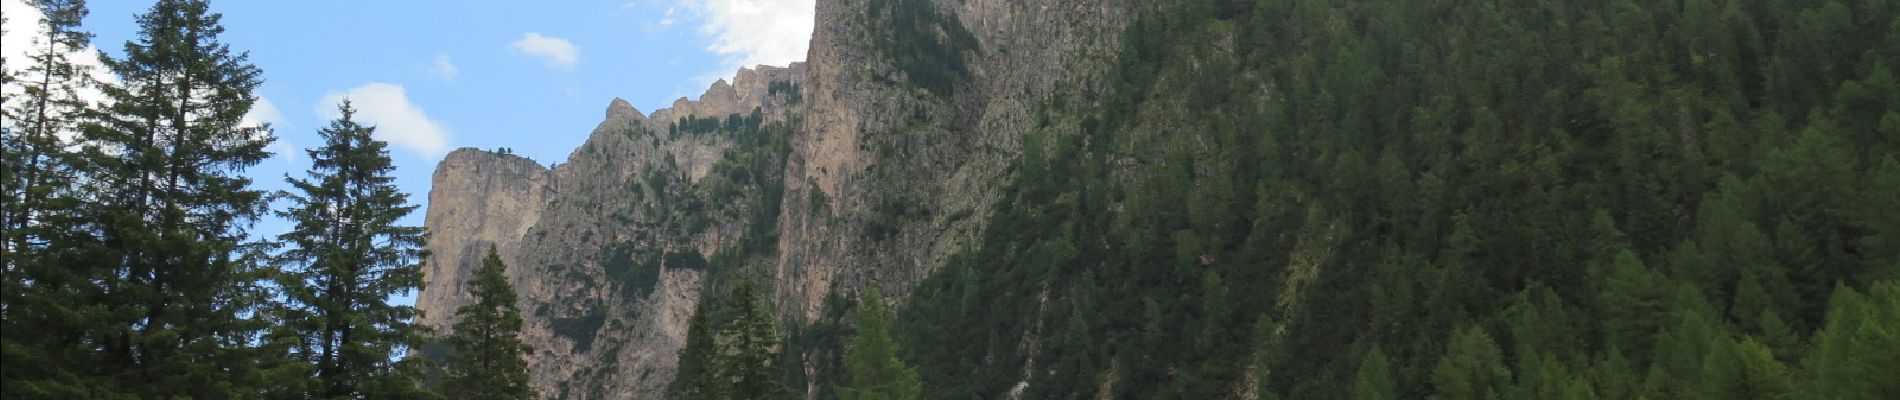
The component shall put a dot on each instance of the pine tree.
(176, 273)
(485, 357)
(749, 344)
(348, 256)
(871, 360)
(38, 292)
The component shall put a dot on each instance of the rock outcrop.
(570, 236)
(478, 199)
(881, 181)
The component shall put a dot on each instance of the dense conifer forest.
(1426, 199)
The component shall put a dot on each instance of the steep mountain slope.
(881, 181)
(607, 249)
(1240, 199)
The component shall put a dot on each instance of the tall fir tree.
(749, 344)
(871, 361)
(485, 350)
(697, 378)
(37, 292)
(176, 272)
(348, 255)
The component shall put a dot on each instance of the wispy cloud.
(444, 68)
(558, 53)
(397, 120)
(753, 32)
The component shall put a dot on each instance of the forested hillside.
(1406, 199)
(1432, 199)
(1011, 199)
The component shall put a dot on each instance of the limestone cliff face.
(478, 199)
(573, 235)
(881, 182)
(874, 142)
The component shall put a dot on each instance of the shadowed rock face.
(861, 137)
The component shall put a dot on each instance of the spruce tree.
(697, 378)
(485, 350)
(348, 256)
(750, 343)
(38, 292)
(871, 360)
(176, 274)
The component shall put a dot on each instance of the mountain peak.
(620, 108)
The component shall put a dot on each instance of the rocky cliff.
(863, 166)
(478, 199)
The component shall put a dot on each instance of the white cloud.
(25, 37)
(444, 68)
(557, 52)
(667, 21)
(265, 112)
(397, 120)
(753, 32)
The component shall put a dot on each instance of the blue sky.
(436, 75)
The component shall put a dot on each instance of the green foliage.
(581, 329)
(129, 271)
(791, 92)
(1853, 356)
(929, 46)
(1473, 368)
(40, 293)
(1743, 370)
(633, 268)
(871, 360)
(1374, 380)
(748, 346)
(485, 349)
(134, 276)
(698, 362)
(1620, 191)
(736, 362)
(689, 259)
(336, 278)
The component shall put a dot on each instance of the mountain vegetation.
(1406, 199)
(485, 357)
(1267, 199)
